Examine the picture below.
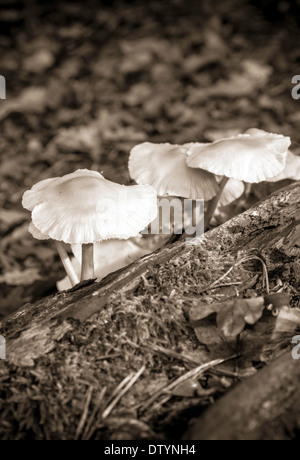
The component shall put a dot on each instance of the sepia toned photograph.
(150, 222)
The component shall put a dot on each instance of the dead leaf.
(232, 316)
(288, 320)
(208, 333)
(20, 278)
(32, 99)
(39, 61)
(10, 218)
(278, 300)
(253, 76)
(230, 320)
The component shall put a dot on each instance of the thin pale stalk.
(212, 204)
(66, 263)
(87, 264)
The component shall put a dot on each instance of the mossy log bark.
(34, 333)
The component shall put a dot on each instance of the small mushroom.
(291, 170)
(85, 208)
(109, 256)
(251, 157)
(164, 167)
(233, 190)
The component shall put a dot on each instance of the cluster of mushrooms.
(84, 209)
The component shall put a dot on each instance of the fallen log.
(67, 353)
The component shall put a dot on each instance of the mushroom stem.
(66, 263)
(87, 264)
(212, 204)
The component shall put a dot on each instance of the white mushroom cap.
(252, 157)
(291, 170)
(164, 167)
(256, 132)
(84, 207)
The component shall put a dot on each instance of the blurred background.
(88, 80)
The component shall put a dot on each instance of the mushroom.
(164, 167)
(84, 208)
(291, 170)
(233, 190)
(251, 157)
(109, 256)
